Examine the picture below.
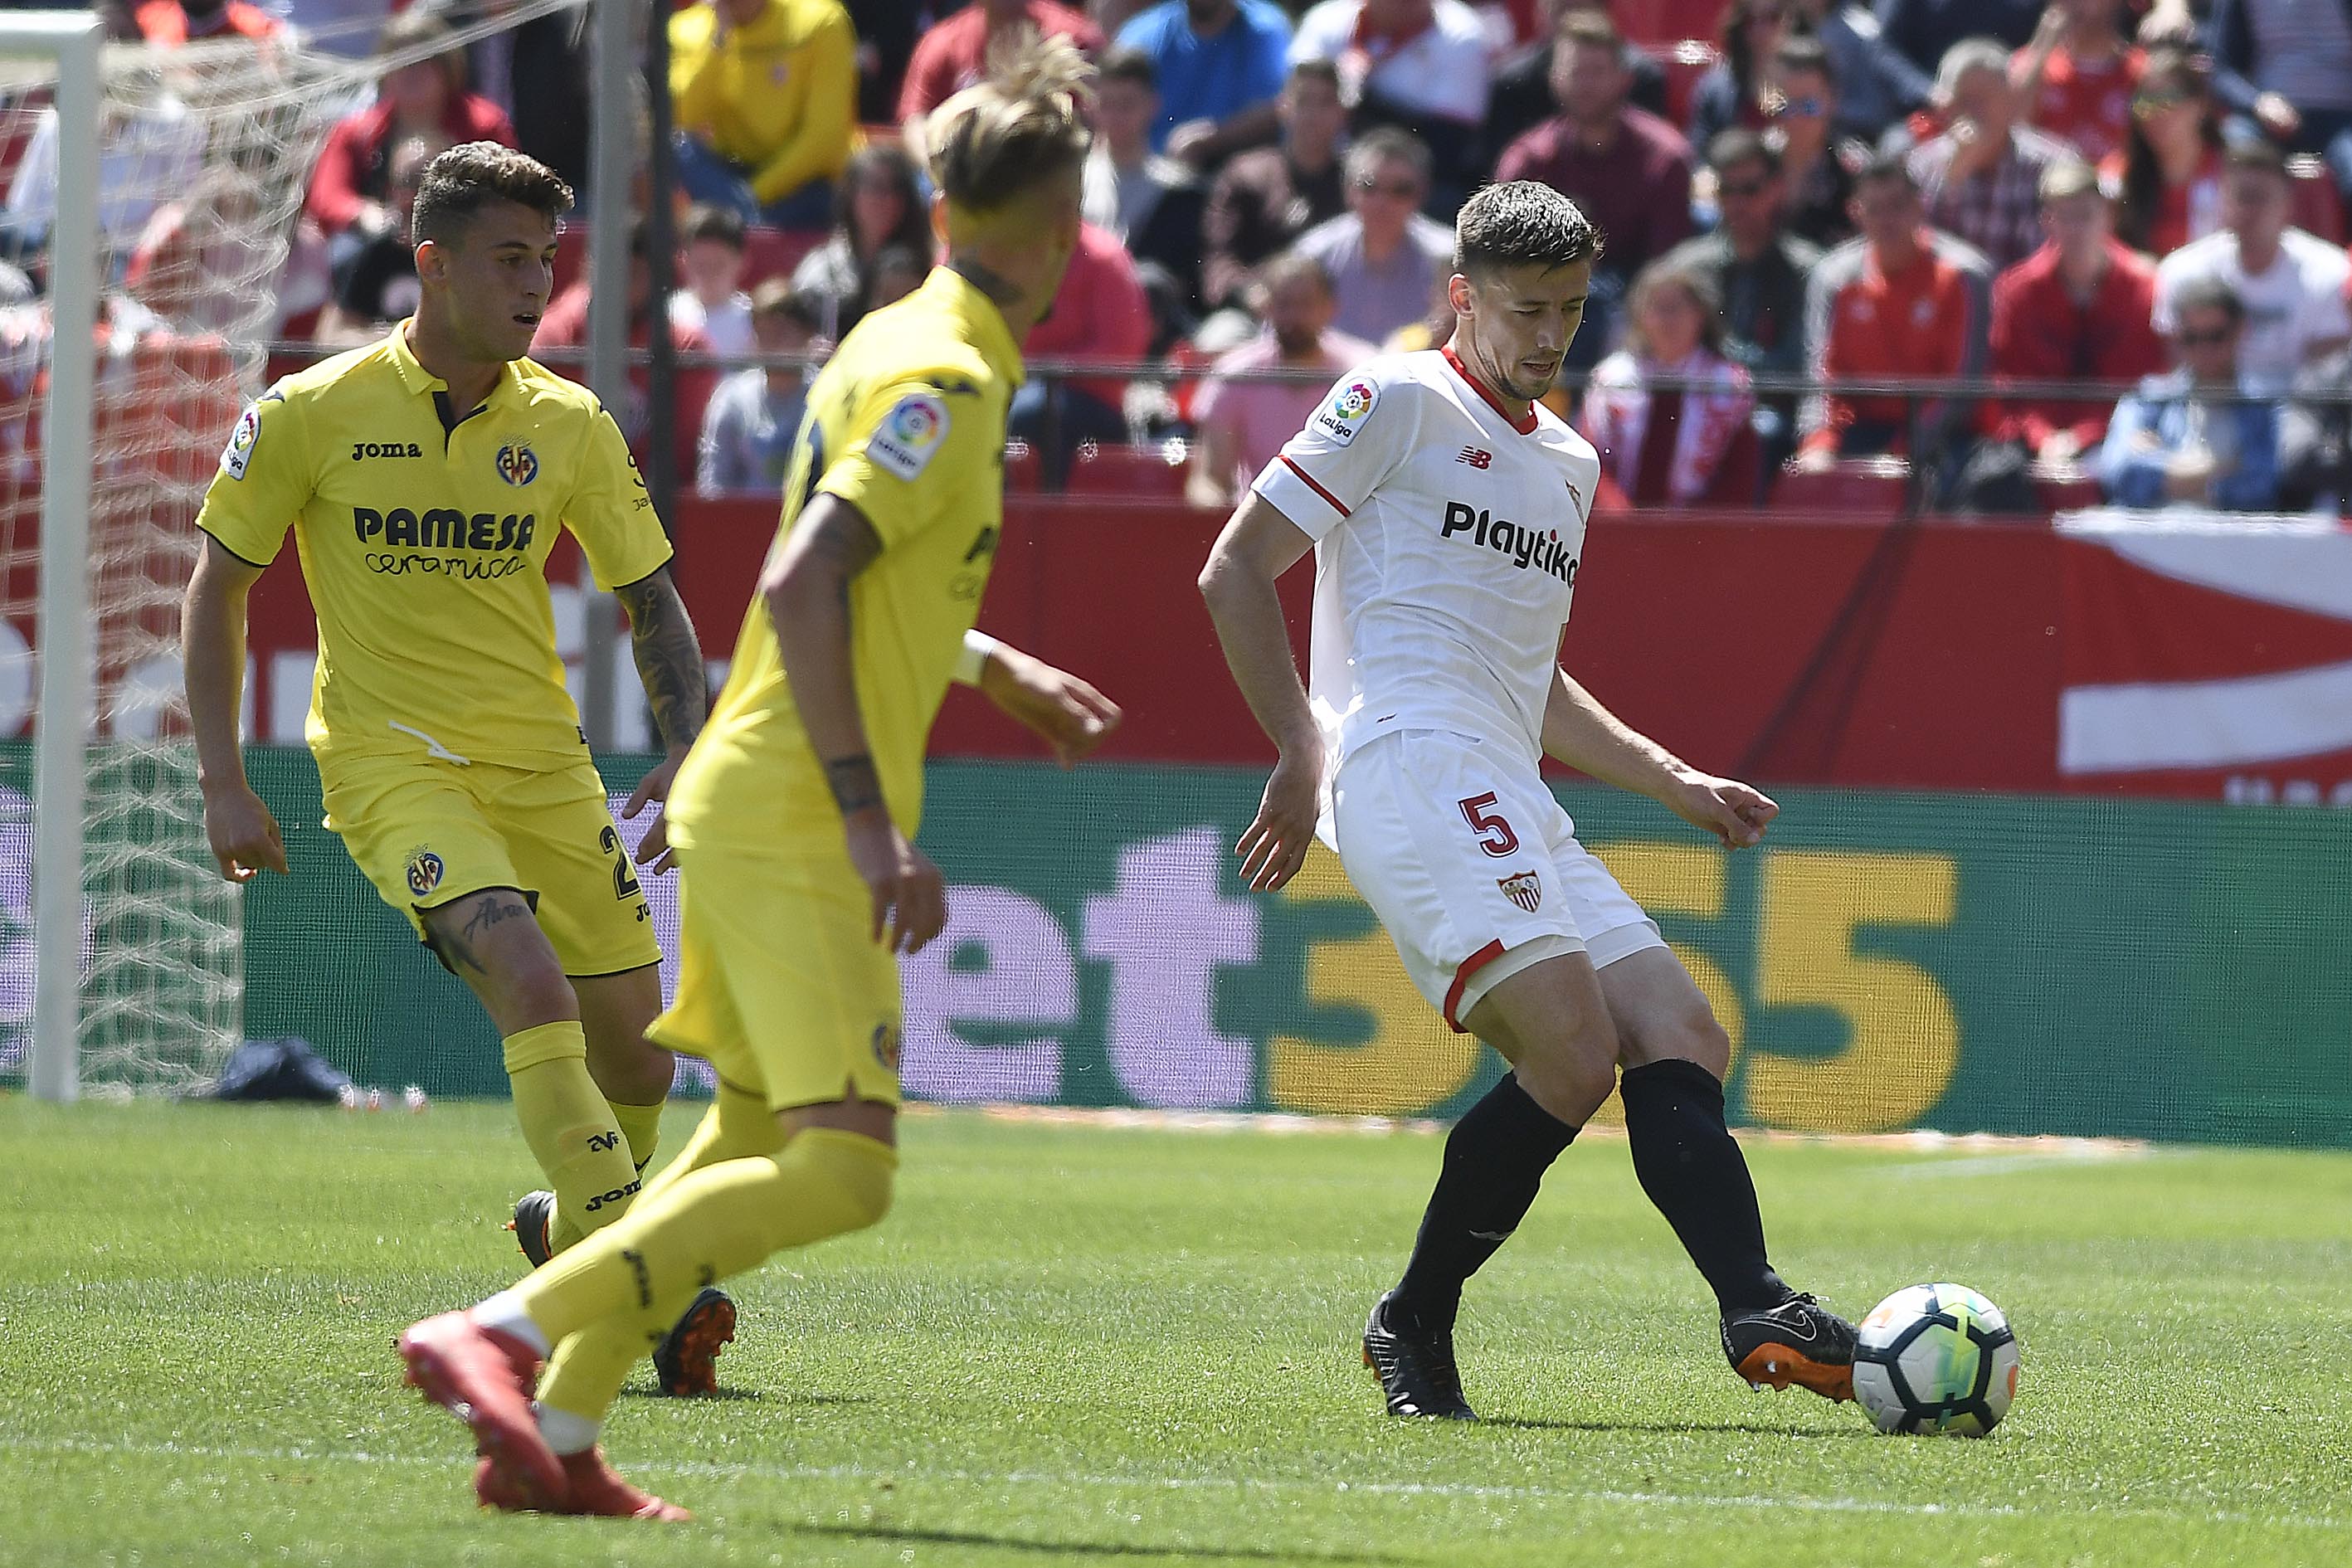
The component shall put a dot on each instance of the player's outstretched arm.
(244, 834)
(1257, 546)
(1066, 712)
(1577, 731)
(806, 587)
(678, 690)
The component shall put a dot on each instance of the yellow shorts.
(428, 833)
(781, 985)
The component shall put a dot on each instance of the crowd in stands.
(1817, 213)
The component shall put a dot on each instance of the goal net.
(202, 159)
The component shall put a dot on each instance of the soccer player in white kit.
(1446, 509)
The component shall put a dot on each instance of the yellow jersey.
(423, 537)
(778, 95)
(907, 425)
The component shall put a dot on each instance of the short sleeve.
(1356, 436)
(2329, 317)
(918, 445)
(610, 512)
(263, 483)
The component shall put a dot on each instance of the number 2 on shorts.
(624, 881)
(1494, 834)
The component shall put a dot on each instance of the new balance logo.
(1476, 458)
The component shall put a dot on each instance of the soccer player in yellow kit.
(795, 815)
(425, 477)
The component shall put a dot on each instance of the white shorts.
(1472, 866)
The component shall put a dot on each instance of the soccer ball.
(1935, 1358)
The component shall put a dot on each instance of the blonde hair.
(1023, 124)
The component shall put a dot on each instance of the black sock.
(1694, 1172)
(1495, 1160)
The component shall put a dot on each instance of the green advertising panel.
(1885, 962)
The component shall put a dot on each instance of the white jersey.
(1446, 541)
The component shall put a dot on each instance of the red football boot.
(484, 1377)
(591, 1488)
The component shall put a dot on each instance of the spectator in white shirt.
(1424, 65)
(2291, 284)
(151, 149)
(713, 298)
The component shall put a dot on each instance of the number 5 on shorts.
(1494, 834)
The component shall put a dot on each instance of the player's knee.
(861, 1173)
(1569, 1080)
(536, 989)
(1692, 1034)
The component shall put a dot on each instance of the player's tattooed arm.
(806, 587)
(669, 659)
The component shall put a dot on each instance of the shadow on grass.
(647, 1391)
(912, 1536)
(1675, 1429)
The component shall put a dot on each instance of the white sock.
(565, 1433)
(504, 1313)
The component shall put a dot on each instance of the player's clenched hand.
(1735, 813)
(911, 896)
(652, 849)
(1069, 715)
(1275, 845)
(245, 836)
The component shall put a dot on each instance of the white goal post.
(69, 40)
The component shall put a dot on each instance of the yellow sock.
(714, 1222)
(641, 1125)
(569, 1127)
(589, 1368)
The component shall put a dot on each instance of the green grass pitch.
(1079, 1343)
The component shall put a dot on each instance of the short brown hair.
(776, 297)
(710, 221)
(1023, 124)
(1520, 224)
(471, 175)
(1589, 24)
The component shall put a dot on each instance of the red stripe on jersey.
(1309, 480)
(1524, 426)
(1470, 966)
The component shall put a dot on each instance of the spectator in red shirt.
(175, 22)
(565, 327)
(2168, 179)
(949, 58)
(2076, 309)
(428, 98)
(1901, 302)
(1098, 313)
(1630, 171)
(2075, 81)
(1983, 177)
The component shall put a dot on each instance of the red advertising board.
(1793, 648)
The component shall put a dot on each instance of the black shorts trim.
(609, 974)
(256, 566)
(432, 943)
